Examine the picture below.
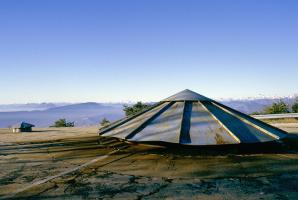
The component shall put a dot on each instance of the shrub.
(277, 108)
(138, 107)
(63, 123)
(104, 122)
(295, 107)
(255, 113)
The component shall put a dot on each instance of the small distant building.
(22, 127)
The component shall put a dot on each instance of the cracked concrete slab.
(140, 171)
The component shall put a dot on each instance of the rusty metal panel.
(245, 132)
(126, 128)
(164, 128)
(205, 130)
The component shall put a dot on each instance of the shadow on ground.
(146, 171)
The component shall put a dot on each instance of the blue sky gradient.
(77, 51)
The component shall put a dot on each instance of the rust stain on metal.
(219, 139)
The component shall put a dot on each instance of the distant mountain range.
(86, 114)
(83, 114)
(255, 105)
(29, 106)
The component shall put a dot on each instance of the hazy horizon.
(260, 96)
(131, 101)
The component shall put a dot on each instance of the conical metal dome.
(191, 119)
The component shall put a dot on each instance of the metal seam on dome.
(149, 120)
(252, 118)
(129, 118)
(185, 123)
(247, 122)
(221, 124)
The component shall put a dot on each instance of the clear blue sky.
(77, 51)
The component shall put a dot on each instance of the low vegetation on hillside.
(295, 107)
(104, 122)
(63, 123)
(129, 111)
(279, 107)
(138, 107)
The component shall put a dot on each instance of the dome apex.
(187, 95)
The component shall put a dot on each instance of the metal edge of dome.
(126, 119)
(142, 125)
(243, 115)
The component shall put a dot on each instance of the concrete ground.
(74, 163)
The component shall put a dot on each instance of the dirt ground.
(75, 163)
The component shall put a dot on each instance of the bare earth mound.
(74, 163)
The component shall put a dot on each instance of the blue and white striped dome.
(189, 118)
